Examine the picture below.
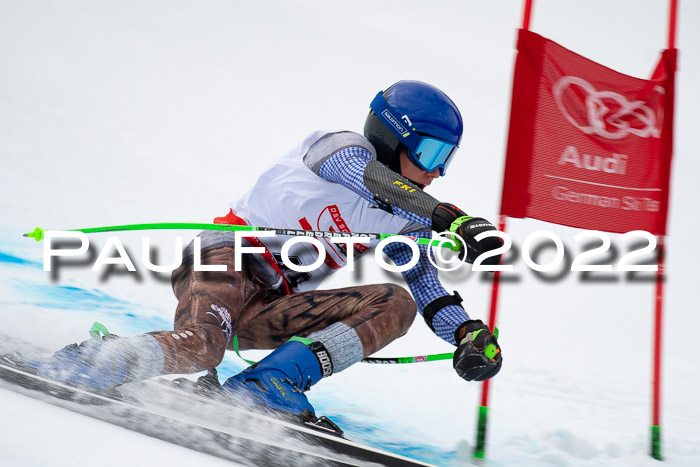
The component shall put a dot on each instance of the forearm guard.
(391, 189)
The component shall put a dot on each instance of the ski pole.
(417, 359)
(379, 360)
(38, 233)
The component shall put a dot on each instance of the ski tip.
(37, 234)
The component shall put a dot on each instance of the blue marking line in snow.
(120, 316)
(11, 259)
(60, 296)
(374, 435)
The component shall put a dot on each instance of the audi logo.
(606, 113)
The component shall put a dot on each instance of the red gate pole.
(526, 14)
(480, 446)
(659, 295)
(656, 384)
(673, 13)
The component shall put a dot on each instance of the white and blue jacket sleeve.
(354, 167)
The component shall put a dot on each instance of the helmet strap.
(395, 163)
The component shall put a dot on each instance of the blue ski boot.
(95, 364)
(103, 362)
(278, 381)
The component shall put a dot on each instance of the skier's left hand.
(478, 356)
(448, 217)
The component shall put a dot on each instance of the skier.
(338, 181)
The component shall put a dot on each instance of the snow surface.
(79, 440)
(163, 111)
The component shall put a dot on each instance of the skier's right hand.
(478, 356)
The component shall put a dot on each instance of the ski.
(162, 409)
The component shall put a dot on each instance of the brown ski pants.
(214, 306)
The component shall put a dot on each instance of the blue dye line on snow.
(120, 316)
(61, 296)
(11, 259)
(378, 437)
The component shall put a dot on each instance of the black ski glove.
(447, 217)
(478, 356)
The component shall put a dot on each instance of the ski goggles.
(432, 154)
(426, 152)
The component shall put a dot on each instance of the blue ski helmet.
(416, 116)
